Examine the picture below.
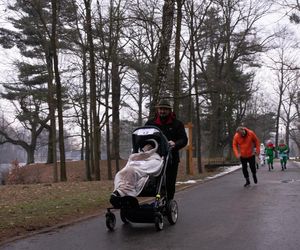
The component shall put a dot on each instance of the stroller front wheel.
(158, 220)
(172, 212)
(110, 221)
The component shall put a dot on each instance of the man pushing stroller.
(150, 172)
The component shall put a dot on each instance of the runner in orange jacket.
(245, 145)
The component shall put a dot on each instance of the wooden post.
(189, 149)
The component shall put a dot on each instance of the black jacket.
(174, 131)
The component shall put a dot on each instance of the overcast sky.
(264, 77)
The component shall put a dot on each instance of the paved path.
(218, 214)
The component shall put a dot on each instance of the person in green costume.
(269, 151)
(283, 151)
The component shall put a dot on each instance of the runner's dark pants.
(251, 161)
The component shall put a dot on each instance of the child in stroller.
(143, 176)
(132, 178)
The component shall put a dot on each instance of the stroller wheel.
(172, 212)
(158, 220)
(123, 216)
(110, 221)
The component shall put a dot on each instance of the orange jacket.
(244, 146)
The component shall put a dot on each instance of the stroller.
(130, 208)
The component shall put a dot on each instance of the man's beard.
(163, 117)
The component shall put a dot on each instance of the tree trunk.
(108, 153)
(93, 90)
(140, 105)
(30, 155)
(216, 120)
(50, 147)
(288, 119)
(85, 119)
(63, 172)
(52, 104)
(281, 92)
(91, 126)
(164, 57)
(116, 87)
(177, 57)
(115, 112)
(198, 112)
(193, 71)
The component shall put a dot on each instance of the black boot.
(115, 199)
(247, 182)
(255, 178)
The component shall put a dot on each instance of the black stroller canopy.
(142, 135)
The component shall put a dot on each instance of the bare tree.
(93, 90)
(116, 26)
(283, 60)
(288, 116)
(164, 57)
(20, 137)
(291, 115)
(63, 171)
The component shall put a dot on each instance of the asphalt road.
(218, 214)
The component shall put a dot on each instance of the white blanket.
(133, 177)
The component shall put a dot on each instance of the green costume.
(283, 150)
(269, 151)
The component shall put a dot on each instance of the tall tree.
(93, 90)
(79, 95)
(164, 53)
(63, 171)
(105, 36)
(116, 82)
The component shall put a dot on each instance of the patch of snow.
(225, 171)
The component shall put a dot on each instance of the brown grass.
(28, 207)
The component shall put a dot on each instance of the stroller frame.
(130, 208)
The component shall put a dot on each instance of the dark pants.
(171, 175)
(251, 161)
